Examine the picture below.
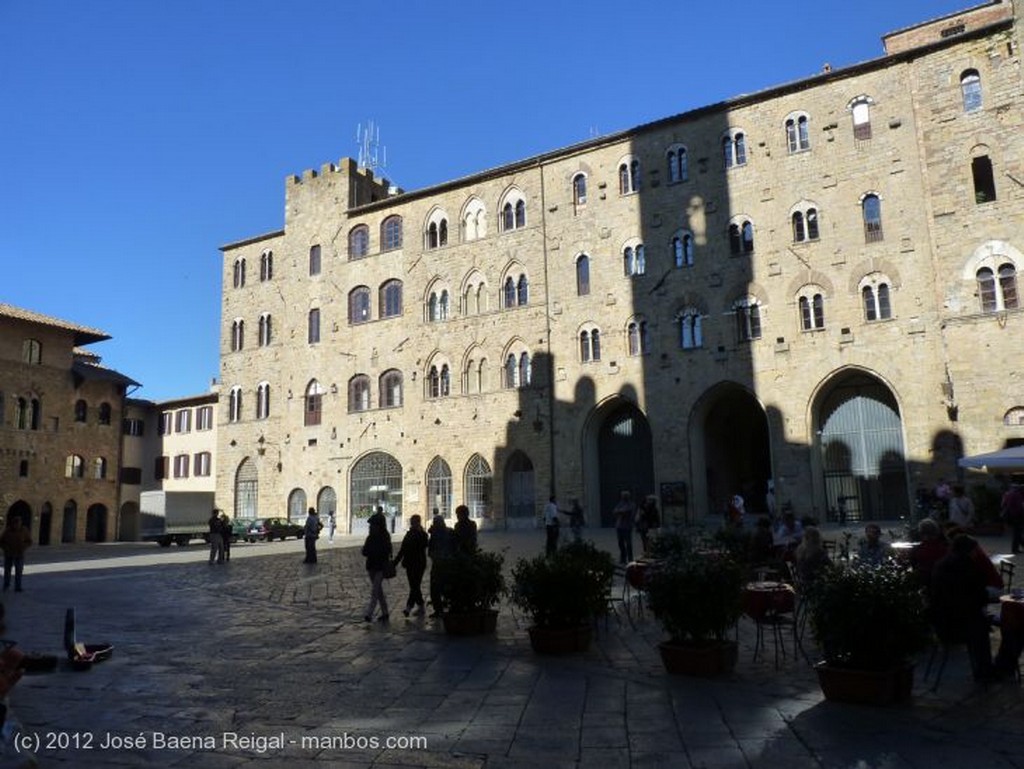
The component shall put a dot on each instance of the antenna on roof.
(371, 154)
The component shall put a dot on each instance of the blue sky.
(138, 136)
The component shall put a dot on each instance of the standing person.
(216, 537)
(648, 519)
(439, 547)
(464, 531)
(576, 521)
(957, 603)
(332, 524)
(377, 551)
(413, 556)
(961, 509)
(14, 541)
(872, 549)
(1012, 510)
(735, 511)
(551, 527)
(624, 514)
(311, 532)
(225, 533)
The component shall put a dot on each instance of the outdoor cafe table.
(762, 599)
(1011, 612)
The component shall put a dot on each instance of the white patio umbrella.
(1009, 460)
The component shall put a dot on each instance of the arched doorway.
(326, 503)
(69, 526)
(297, 505)
(439, 489)
(625, 457)
(128, 527)
(731, 449)
(477, 487)
(45, 524)
(860, 435)
(376, 481)
(96, 523)
(247, 488)
(520, 497)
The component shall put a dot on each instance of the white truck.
(175, 516)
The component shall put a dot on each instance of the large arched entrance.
(731, 449)
(376, 481)
(247, 488)
(96, 523)
(625, 457)
(860, 449)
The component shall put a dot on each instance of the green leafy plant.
(566, 590)
(868, 617)
(470, 581)
(696, 597)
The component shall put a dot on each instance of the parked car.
(270, 529)
(240, 528)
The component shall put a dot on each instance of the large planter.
(866, 687)
(481, 622)
(707, 661)
(560, 640)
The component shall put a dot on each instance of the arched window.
(439, 381)
(741, 237)
(634, 261)
(391, 233)
(636, 337)
(510, 292)
(358, 242)
(805, 225)
(238, 275)
(875, 295)
(438, 306)
(313, 404)
(579, 190)
(391, 389)
(359, 393)
(590, 345)
(266, 265)
(691, 334)
(812, 311)
(860, 109)
(511, 372)
(523, 291)
(797, 133)
(265, 329)
(678, 164)
(970, 89)
(871, 206)
(525, 369)
(237, 334)
(313, 326)
(682, 249)
(734, 149)
(80, 410)
(314, 260)
(391, 299)
(629, 176)
(437, 230)
(104, 414)
(74, 466)
(520, 213)
(235, 404)
(474, 220)
(439, 487)
(997, 295)
(99, 468)
(359, 305)
(478, 486)
(263, 400)
(984, 179)
(582, 275)
(748, 319)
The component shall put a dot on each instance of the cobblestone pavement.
(276, 652)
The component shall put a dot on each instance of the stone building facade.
(60, 429)
(812, 288)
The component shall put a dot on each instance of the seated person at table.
(961, 509)
(932, 548)
(872, 549)
(957, 600)
(993, 579)
(787, 534)
(811, 557)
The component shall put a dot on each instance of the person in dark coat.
(311, 533)
(377, 551)
(14, 541)
(413, 556)
(440, 546)
(957, 601)
(464, 531)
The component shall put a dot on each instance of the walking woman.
(377, 551)
(413, 555)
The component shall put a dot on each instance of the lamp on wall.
(261, 448)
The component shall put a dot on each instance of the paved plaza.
(266, 662)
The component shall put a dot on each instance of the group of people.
(553, 524)
(627, 516)
(438, 542)
(220, 536)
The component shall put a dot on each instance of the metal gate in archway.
(625, 457)
(376, 481)
(862, 452)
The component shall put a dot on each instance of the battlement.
(343, 184)
(950, 26)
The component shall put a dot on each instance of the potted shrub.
(697, 597)
(472, 583)
(563, 594)
(869, 622)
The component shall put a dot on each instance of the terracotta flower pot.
(707, 661)
(866, 687)
(560, 640)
